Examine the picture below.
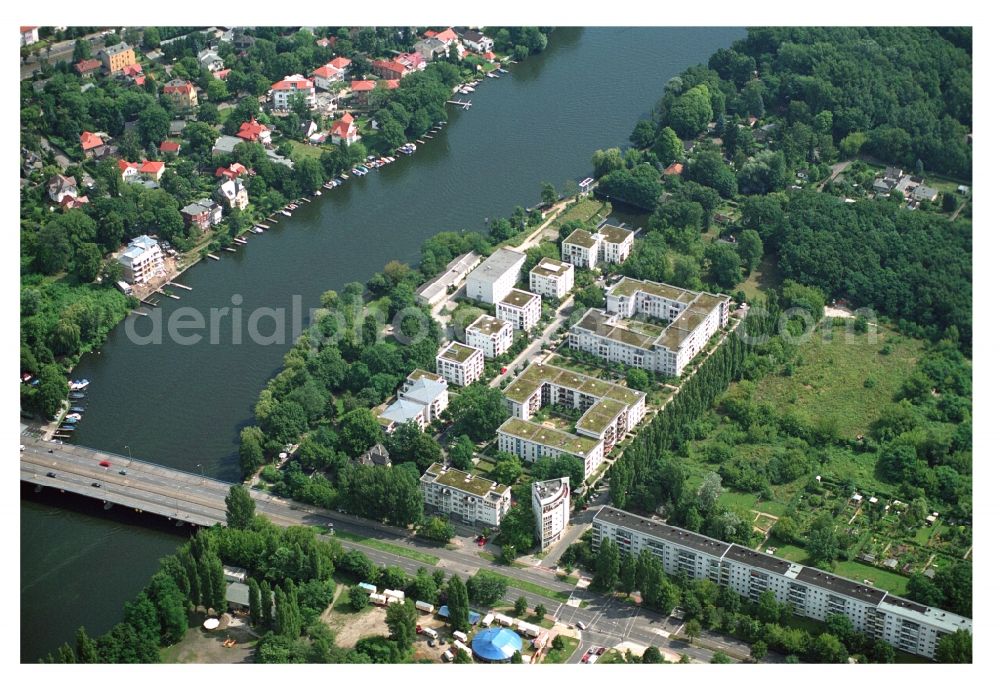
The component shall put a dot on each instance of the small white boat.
(286, 213)
(317, 193)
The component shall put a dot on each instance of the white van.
(461, 636)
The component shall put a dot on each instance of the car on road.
(582, 626)
(123, 472)
(95, 484)
(586, 658)
(503, 370)
(51, 474)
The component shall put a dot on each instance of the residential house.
(29, 35)
(225, 144)
(449, 39)
(327, 75)
(61, 187)
(152, 170)
(87, 67)
(375, 456)
(129, 171)
(92, 144)
(222, 74)
(141, 261)
(390, 84)
(203, 214)
(255, 131)
(522, 309)
(492, 335)
(414, 62)
(925, 193)
(421, 399)
(284, 91)
(674, 169)
(181, 94)
(345, 130)
(233, 193)
(232, 172)
(361, 89)
(460, 364)
(210, 60)
(477, 41)
(430, 49)
(177, 127)
(551, 278)
(171, 147)
(115, 58)
(70, 202)
(389, 69)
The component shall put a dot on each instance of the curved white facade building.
(550, 503)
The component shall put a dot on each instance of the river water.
(183, 405)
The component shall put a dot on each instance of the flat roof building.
(496, 276)
(611, 411)
(683, 323)
(433, 291)
(906, 625)
(460, 364)
(472, 499)
(492, 335)
(142, 260)
(551, 278)
(550, 504)
(421, 399)
(531, 441)
(522, 309)
(608, 243)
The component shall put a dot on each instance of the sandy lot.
(202, 646)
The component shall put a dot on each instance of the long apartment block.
(683, 323)
(906, 625)
(531, 441)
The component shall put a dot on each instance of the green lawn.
(556, 657)
(893, 583)
(830, 382)
(300, 149)
(764, 277)
(388, 547)
(530, 587)
(583, 211)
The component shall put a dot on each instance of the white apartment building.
(471, 499)
(813, 593)
(492, 335)
(496, 276)
(551, 278)
(521, 309)
(550, 503)
(142, 260)
(460, 364)
(282, 92)
(692, 318)
(581, 249)
(531, 441)
(421, 399)
(609, 243)
(610, 411)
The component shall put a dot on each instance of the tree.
(462, 658)
(652, 656)
(828, 649)
(720, 658)
(255, 614)
(724, 265)
(86, 649)
(520, 606)
(955, 648)
(691, 112)
(401, 618)
(540, 611)
(821, 542)
(507, 470)
(357, 598)
(478, 412)
(606, 566)
(462, 452)
(81, 50)
(768, 608)
(637, 379)
(549, 193)
(693, 629)
(438, 529)
(251, 449)
(750, 248)
(485, 588)
(154, 125)
(358, 431)
(708, 168)
(668, 148)
(266, 605)
(240, 508)
(87, 262)
(458, 603)
(627, 571)
(758, 650)
(643, 134)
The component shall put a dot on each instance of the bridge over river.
(146, 487)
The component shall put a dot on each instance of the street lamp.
(129, 455)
